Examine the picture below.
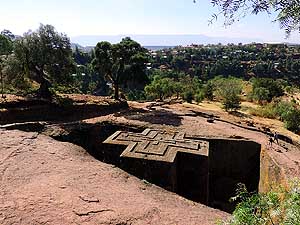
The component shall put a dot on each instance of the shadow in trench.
(210, 180)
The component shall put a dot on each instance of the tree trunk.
(43, 91)
(116, 91)
(2, 84)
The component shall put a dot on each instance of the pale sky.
(112, 17)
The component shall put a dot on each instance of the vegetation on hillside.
(42, 63)
(278, 206)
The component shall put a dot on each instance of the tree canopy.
(46, 56)
(120, 62)
(287, 11)
(5, 45)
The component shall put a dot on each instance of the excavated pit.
(210, 180)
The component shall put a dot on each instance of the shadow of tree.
(239, 114)
(160, 116)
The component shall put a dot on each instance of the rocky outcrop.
(44, 181)
(67, 108)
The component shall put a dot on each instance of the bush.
(282, 107)
(229, 91)
(159, 88)
(267, 88)
(136, 95)
(279, 206)
(199, 97)
(266, 111)
(208, 91)
(231, 102)
(291, 119)
(188, 96)
(260, 94)
(285, 111)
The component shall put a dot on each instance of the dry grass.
(246, 108)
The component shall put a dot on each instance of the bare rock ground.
(43, 181)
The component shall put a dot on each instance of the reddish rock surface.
(44, 181)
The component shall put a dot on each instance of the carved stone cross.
(157, 145)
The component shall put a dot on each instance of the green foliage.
(178, 87)
(159, 88)
(291, 119)
(188, 96)
(208, 91)
(260, 94)
(279, 206)
(46, 57)
(169, 83)
(120, 62)
(200, 96)
(136, 95)
(265, 89)
(229, 90)
(65, 89)
(288, 112)
(6, 45)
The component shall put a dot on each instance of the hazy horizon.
(161, 39)
(113, 17)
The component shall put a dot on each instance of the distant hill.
(156, 48)
(161, 40)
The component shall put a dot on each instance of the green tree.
(118, 61)
(177, 88)
(229, 90)
(159, 88)
(273, 87)
(179, 63)
(208, 91)
(188, 95)
(46, 56)
(6, 47)
(260, 94)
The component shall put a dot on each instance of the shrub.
(229, 91)
(208, 91)
(285, 111)
(188, 96)
(260, 94)
(273, 87)
(291, 119)
(231, 102)
(136, 95)
(199, 97)
(279, 206)
(267, 111)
